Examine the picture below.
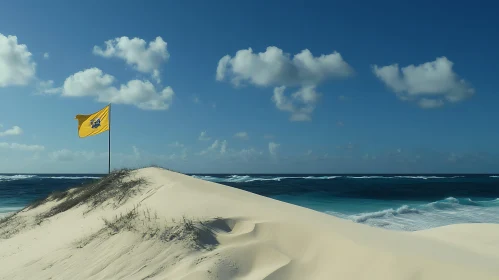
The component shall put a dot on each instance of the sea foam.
(249, 178)
(434, 214)
(15, 177)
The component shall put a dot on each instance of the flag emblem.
(95, 123)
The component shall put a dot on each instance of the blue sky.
(276, 87)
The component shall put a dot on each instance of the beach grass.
(117, 186)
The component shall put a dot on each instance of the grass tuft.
(188, 232)
(59, 195)
(10, 226)
(117, 186)
(123, 222)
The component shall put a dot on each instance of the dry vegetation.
(115, 188)
(195, 234)
(10, 226)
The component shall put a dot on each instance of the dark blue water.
(399, 202)
(16, 191)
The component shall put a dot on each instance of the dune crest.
(156, 224)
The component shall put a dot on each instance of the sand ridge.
(173, 226)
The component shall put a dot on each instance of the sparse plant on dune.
(115, 189)
(10, 226)
(4, 220)
(188, 232)
(122, 222)
(117, 186)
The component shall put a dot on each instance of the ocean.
(396, 202)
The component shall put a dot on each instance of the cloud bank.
(274, 68)
(430, 85)
(17, 67)
(145, 58)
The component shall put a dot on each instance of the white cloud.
(68, 155)
(94, 83)
(16, 64)
(273, 147)
(62, 155)
(216, 147)
(47, 87)
(136, 152)
(136, 52)
(210, 148)
(275, 68)
(222, 67)
(46, 55)
(177, 145)
(182, 155)
(204, 136)
(242, 135)
(246, 154)
(15, 130)
(340, 123)
(430, 103)
(430, 84)
(223, 147)
(22, 147)
(91, 81)
(268, 136)
(219, 150)
(183, 151)
(197, 100)
(278, 69)
(301, 104)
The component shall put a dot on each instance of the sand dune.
(172, 226)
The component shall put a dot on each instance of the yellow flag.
(90, 125)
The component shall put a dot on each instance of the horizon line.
(242, 173)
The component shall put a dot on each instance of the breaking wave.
(388, 212)
(404, 177)
(72, 177)
(248, 178)
(15, 177)
(439, 213)
(27, 177)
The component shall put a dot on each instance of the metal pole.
(109, 143)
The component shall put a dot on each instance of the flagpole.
(109, 142)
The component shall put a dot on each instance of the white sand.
(254, 238)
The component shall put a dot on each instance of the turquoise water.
(397, 202)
